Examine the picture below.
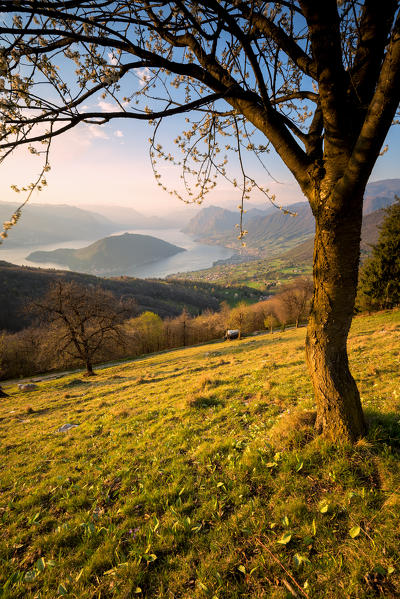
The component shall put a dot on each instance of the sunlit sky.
(110, 165)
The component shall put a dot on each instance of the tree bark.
(335, 272)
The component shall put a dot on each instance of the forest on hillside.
(21, 284)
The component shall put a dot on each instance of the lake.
(196, 257)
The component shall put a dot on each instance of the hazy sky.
(110, 164)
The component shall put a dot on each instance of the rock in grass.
(66, 427)
(27, 387)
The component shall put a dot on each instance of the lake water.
(196, 257)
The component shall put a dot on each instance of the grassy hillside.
(189, 476)
(264, 275)
(267, 274)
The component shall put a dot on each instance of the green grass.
(264, 275)
(193, 474)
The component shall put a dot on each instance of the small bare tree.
(270, 320)
(84, 319)
(296, 299)
(184, 320)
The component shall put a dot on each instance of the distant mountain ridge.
(113, 255)
(267, 231)
(380, 194)
(274, 232)
(211, 222)
(44, 223)
(369, 236)
(126, 217)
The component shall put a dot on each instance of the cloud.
(96, 131)
(108, 106)
(118, 133)
(111, 106)
(143, 76)
(112, 58)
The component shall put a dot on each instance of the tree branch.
(381, 112)
(281, 38)
(375, 27)
(324, 27)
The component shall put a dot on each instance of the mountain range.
(129, 218)
(270, 231)
(267, 231)
(41, 224)
(44, 223)
(380, 194)
(274, 232)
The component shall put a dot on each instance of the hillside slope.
(191, 474)
(118, 254)
(369, 236)
(380, 194)
(278, 269)
(20, 284)
(273, 232)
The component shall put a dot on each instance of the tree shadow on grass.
(383, 429)
(199, 401)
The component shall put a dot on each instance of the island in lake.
(113, 255)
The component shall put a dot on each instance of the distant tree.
(206, 326)
(238, 318)
(224, 313)
(281, 311)
(148, 327)
(380, 275)
(296, 298)
(184, 321)
(83, 319)
(270, 320)
(255, 316)
(21, 353)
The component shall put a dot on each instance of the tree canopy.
(313, 80)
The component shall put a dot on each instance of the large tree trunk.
(336, 259)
